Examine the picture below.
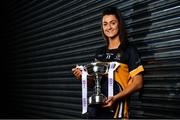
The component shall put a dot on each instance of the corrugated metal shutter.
(155, 31)
(47, 38)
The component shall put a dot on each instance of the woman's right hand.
(77, 73)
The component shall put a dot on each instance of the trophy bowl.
(97, 67)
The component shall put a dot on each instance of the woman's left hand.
(109, 102)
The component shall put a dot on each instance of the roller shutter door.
(46, 38)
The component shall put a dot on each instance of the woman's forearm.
(136, 85)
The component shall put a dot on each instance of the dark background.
(41, 40)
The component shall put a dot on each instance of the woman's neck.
(114, 43)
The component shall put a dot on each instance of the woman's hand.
(109, 102)
(77, 73)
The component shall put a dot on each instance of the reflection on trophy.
(97, 70)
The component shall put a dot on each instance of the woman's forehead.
(107, 18)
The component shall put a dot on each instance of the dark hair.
(122, 32)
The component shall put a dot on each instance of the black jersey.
(130, 65)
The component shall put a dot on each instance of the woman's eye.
(105, 24)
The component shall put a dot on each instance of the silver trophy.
(97, 69)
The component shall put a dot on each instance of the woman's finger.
(109, 99)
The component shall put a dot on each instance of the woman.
(127, 78)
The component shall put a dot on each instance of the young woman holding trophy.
(127, 77)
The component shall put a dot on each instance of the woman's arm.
(137, 84)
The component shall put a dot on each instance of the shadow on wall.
(141, 19)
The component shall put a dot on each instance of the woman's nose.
(109, 27)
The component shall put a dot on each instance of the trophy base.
(97, 99)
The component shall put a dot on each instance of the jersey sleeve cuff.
(136, 71)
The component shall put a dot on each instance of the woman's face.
(110, 26)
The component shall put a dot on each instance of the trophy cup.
(97, 69)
